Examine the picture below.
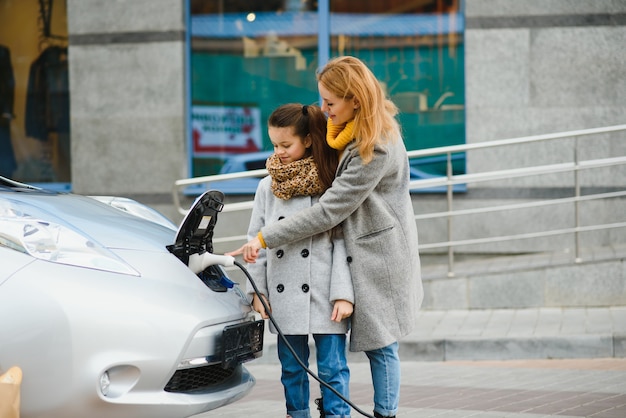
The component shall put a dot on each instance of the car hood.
(110, 227)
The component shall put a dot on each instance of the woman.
(370, 198)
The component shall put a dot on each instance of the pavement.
(566, 388)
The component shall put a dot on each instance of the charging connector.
(199, 262)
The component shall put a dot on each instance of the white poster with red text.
(225, 129)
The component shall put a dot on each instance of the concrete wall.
(127, 86)
(536, 67)
(530, 281)
(542, 66)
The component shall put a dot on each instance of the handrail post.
(578, 259)
(449, 194)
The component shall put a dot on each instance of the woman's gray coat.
(302, 279)
(373, 204)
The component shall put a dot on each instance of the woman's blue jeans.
(332, 368)
(385, 367)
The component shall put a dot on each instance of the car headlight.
(54, 242)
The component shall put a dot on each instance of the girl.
(370, 198)
(305, 283)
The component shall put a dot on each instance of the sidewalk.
(457, 389)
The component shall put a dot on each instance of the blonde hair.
(375, 119)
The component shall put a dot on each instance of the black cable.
(281, 335)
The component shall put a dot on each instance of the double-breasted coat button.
(280, 253)
(349, 259)
(305, 288)
(280, 288)
(304, 253)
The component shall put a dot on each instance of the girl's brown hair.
(309, 120)
(374, 121)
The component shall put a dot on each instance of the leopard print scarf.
(298, 178)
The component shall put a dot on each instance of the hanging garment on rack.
(7, 96)
(48, 97)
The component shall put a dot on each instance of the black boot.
(377, 415)
(320, 406)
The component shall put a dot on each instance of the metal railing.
(450, 180)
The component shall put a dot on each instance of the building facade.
(137, 69)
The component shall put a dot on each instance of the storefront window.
(416, 50)
(248, 57)
(34, 91)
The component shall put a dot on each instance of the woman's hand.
(341, 310)
(257, 305)
(249, 250)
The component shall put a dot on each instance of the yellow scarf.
(338, 137)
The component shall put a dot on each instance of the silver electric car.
(101, 308)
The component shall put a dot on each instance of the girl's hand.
(249, 250)
(257, 305)
(342, 310)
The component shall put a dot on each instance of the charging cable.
(281, 335)
(198, 262)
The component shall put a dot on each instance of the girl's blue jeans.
(332, 367)
(385, 367)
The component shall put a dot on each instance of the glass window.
(248, 57)
(415, 48)
(34, 92)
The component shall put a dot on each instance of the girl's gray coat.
(302, 279)
(373, 204)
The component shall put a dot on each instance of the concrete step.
(551, 280)
(536, 306)
(505, 334)
(594, 278)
